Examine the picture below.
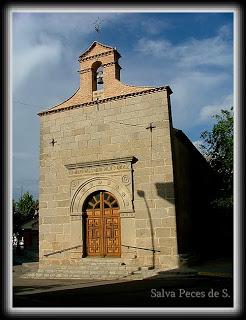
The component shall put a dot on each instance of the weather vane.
(97, 25)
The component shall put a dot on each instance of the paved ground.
(169, 292)
(206, 285)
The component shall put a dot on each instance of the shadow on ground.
(33, 288)
(20, 256)
(151, 292)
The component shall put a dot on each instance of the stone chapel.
(121, 190)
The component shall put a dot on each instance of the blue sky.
(190, 52)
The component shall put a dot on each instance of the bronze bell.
(100, 77)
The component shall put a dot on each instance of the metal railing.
(60, 251)
(75, 247)
(153, 250)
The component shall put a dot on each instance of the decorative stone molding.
(97, 56)
(101, 165)
(84, 70)
(109, 64)
(113, 175)
(87, 53)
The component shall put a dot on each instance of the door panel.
(103, 236)
(94, 236)
(112, 236)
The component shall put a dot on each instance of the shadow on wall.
(192, 219)
(189, 216)
(165, 191)
(201, 231)
(141, 194)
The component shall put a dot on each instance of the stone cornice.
(85, 70)
(119, 97)
(103, 65)
(96, 56)
(86, 54)
(100, 163)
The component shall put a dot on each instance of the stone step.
(90, 274)
(30, 266)
(88, 269)
(76, 275)
(112, 262)
(144, 273)
(106, 270)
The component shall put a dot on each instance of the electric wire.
(26, 104)
(126, 124)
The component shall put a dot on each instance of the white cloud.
(214, 51)
(208, 111)
(40, 40)
(198, 71)
(157, 48)
(190, 90)
(225, 31)
(154, 26)
(26, 61)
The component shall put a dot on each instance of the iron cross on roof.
(150, 127)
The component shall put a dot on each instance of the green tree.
(218, 149)
(23, 209)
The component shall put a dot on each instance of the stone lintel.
(100, 163)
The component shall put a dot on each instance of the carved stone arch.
(119, 190)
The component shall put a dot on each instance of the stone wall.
(103, 131)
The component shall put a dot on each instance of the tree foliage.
(218, 148)
(23, 209)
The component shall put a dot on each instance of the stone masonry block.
(169, 222)
(167, 242)
(162, 232)
(143, 233)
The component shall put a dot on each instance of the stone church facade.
(108, 204)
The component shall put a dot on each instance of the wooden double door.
(102, 225)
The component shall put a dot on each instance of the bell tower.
(99, 71)
(99, 77)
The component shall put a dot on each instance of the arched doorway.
(101, 222)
